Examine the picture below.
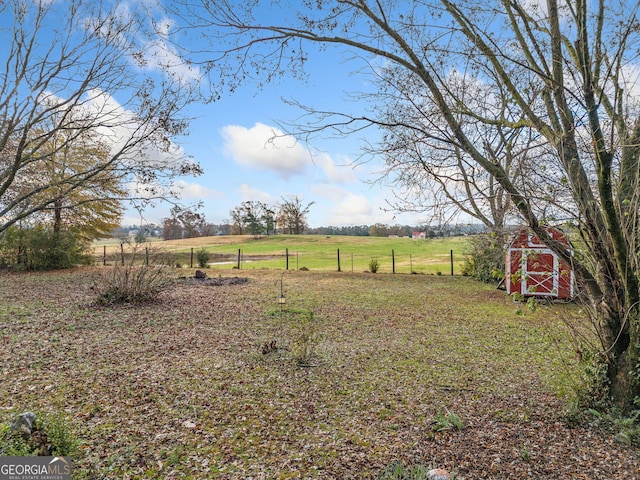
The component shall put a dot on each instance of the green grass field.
(315, 252)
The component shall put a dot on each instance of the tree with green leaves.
(90, 211)
(253, 218)
(567, 71)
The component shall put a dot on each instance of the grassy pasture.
(315, 252)
(181, 389)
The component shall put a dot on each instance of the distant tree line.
(384, 230)
(289, 217)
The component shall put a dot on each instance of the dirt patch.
(215, 282)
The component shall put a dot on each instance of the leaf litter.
(181, 388)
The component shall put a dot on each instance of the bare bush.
(130, 284)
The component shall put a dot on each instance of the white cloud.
(341, 172)
(196, 191)
(120, 129)
(263, 147)
(160, 56)
(347, 208)
(248, 193)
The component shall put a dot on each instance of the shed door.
(539, 272)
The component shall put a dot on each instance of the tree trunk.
(623, 357)
(57, 215)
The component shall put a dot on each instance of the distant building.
(421, 235)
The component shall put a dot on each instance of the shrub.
(484, 259)
(130, 284)
(203, 258)
(374, 265)
(41, 248)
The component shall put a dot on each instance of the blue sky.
(230, 139)
(233, 138)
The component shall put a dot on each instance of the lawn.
(315, 252)
(182, 388)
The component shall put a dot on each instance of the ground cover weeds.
(181, 388)
(446, 420)
(51, 436)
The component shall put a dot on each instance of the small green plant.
(397, 471)
(13, 444)
(446, 421)
(306, 338)
(517, 297)
(203, 258)
(374, 265)
(50, 435)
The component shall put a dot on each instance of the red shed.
(533, 270)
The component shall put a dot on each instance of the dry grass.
(182, 389)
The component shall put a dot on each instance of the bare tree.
(72, 72)
(184, 223)
(565, 69)
(426, 165)
(292, 215)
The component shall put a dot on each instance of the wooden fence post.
(239, 259)
(191, 259)
(122, 253)
(393, 261)
(339, 260)
(104, 255)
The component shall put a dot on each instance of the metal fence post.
(393, 261)
(451, 255)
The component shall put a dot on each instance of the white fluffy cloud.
(195, 191)
(263, 147)
(248, 193)
(347, 208)
(341, 172)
